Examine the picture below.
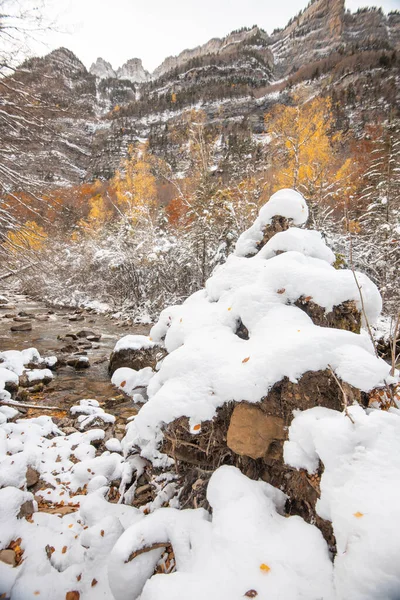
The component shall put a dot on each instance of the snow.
(208, 365)
(130, 381)
(82, 539)
(307, 242)
(90, 412)
(134, 342)
(360, 487)
(62, 552)
(285, 203)
(15, 361)
(246, 545)
(39, 374)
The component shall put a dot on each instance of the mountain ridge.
(93, 117)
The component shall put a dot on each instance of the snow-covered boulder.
(283, 208)
(135, 352)
(211, 365)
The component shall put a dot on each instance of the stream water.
(49, 337)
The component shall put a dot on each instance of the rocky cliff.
(90, 117)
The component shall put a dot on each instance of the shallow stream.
(48, 336)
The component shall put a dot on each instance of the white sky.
(151, 30)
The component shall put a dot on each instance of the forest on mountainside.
(150, 235)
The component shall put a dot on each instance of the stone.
(32, 477)
(78, 362)
(75, 318)
(9, 316)
(69, 349)
(11, 386)
(94, 338)
(26, 509)
(251, 431)
(8, 557)
(73, 336)
(22, 327)
(134, 359)
(3, 300)
(84, 345)
(37, 388)
(69, 430)
(343, 316)
(86, 333)
(42, 317)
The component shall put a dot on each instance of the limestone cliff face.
(310, 36)
(214, 46)
(91, 117)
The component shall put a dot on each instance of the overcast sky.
(151, 30)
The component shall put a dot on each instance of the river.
(49, 337)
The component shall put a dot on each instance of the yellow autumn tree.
(135, 185)
(29, 236)
(304, 147)
(98, 215)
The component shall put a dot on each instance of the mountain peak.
(134, 71)
(102, 69)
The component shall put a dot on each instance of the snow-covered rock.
(208, 365)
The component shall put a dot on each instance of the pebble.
(8, 557)
(22, 327)
(32, 477)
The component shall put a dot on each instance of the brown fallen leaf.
(94, 582)
(63, 551)
(72, 595)
(102, 533)
(122, 384)
(281, 291)
(79, 577)
(49, 551)
(245, 360)
(265, 568)
(251, 594)
(197, 427)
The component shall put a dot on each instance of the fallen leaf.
(245, 360)
(122, 384)
(79, 577)
(197, 427)
(72, 595)
(102, 533)
(281, 291)
(307, 299)
(63, 551)
(251, 594)
(94, 582)
(37, 593)
(230, 308)
(358, 515)
(265, 568)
